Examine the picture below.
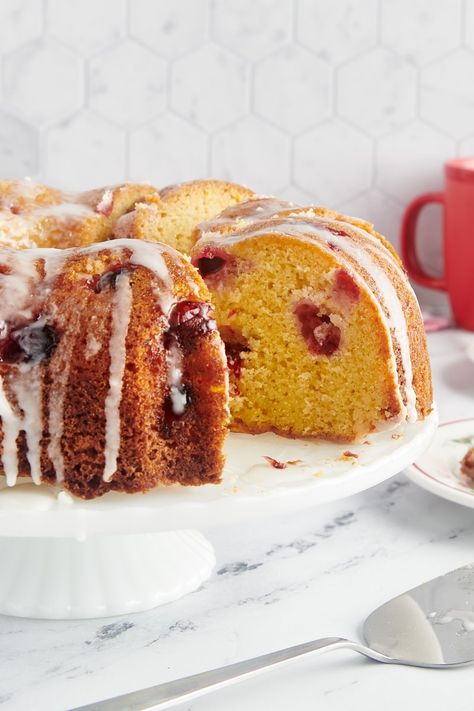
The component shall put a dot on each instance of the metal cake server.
(429, 626)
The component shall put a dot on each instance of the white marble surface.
(280, 582)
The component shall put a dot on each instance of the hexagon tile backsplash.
(350, 103)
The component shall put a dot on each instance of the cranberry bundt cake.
(323, 332)
(112, 371)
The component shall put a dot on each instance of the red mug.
(458, 239)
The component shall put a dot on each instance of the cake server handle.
(189, 687)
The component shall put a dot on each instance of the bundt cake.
(112, 371)
(171, 215)
(34, 215)
(322, 330)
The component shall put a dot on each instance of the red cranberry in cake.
(191, 316)
(321, 335)
(344, 285)
(213, 262)
(31, 343)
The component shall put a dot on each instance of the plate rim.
(435, 486)
(202, 515)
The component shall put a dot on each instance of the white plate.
(439, 471)
(251, 487)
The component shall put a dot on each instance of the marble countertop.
(277, 583)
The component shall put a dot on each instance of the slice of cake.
(322, 330)
(112, 371)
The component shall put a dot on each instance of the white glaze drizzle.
(17, 286)
(57, 398)
(245, 214)
(174, 361)
(121, 311)
(27, 387)
(11, 425)
(395, 322)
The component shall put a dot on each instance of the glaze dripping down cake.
(112, 371)
(322, 330)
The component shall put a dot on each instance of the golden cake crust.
(158, 443)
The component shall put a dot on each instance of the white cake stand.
(64, 558)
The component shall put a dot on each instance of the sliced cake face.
(322, 332)
(171, 216)
(112, 372)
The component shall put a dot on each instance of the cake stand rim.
(136, 514)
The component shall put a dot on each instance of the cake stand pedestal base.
(65, 578)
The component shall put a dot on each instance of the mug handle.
(409, 253)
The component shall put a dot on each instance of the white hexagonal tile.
(252, 28)
(18, 148)
(337, 31)
(128, 84)
(383, 211)
(421, 30)
(409, 161)
(469, 24)
(20, 22)
(466, 147)
(447, 96)
(293, 89)
(377, 91)
(169, 150)
(94, 148)
(87, 26)
(295, 194)
(209, 87)
(168, 27)
(253, 153)
(333, 162)
(43, 80)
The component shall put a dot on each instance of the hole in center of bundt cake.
(26, 344)
(321, 335)
(108, 279)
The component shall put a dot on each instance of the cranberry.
(32, 343)
(346, 285)
(108, 280)
(336, 230)
(191, 316)
(212, 260)
(209, 265)
(275, 463)
(321, 335)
